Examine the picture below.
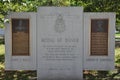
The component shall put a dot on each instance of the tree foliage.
(7, 6)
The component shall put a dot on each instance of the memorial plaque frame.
(20, 36)
(99, 37)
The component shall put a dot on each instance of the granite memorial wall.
(60, 42)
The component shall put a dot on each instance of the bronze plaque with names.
(99, 37)
(20, 37)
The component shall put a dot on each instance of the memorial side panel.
(99, 41)
(20, 41)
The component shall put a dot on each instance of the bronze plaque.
(99, 37)
(20, 37)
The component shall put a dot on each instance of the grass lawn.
(12, 75)
(117, 51)
(117, 56)
(2, 52)
(117, 35)
(2, 49)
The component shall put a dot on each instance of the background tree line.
(7, 6)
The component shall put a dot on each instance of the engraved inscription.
(99, 37)
(60, 52)
(100, 60)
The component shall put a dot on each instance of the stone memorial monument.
(60, 42)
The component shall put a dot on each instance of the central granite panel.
(59, 43)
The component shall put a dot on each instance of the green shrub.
(1, 41)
